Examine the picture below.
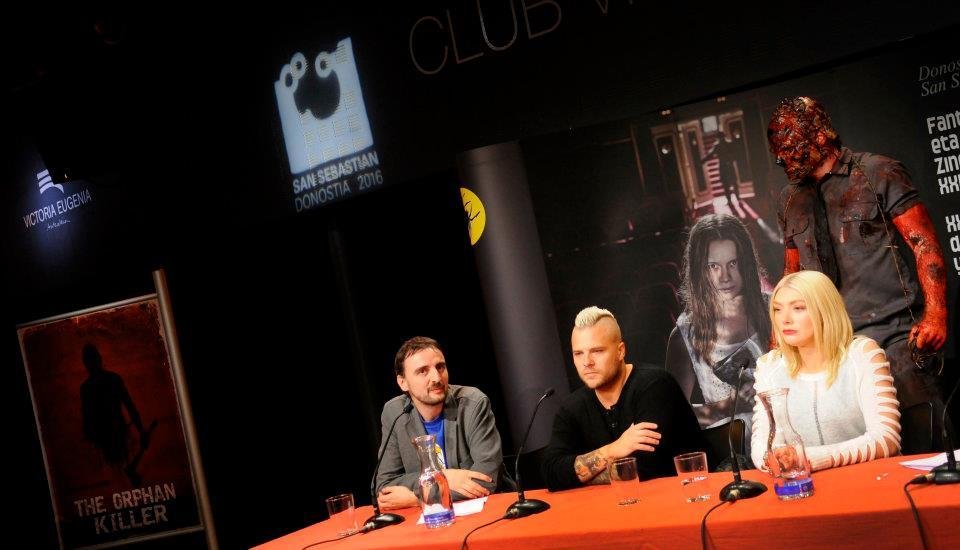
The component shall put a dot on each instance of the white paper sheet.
(927, 464)
(464, 507)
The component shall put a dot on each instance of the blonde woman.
(842, 401)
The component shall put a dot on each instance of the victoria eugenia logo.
(321, 107)
(56, 211)
(45, 182)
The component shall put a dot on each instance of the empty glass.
(342, 514)
(692, 471)
(625, 481)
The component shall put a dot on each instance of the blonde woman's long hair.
(832, 331)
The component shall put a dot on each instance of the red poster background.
(131, 343)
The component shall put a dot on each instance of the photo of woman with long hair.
(724, 324)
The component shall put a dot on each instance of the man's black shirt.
(582, 425)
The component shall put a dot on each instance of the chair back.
(717, 438)
(916, 429)
(529, 471)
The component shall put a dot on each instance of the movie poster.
(110, 426)
(621, 208)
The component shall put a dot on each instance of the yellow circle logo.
(476, 215)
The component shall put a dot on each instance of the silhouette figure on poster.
(726, 152)
(103, 396)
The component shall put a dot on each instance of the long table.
(859, 506)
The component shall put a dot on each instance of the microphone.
(946, 473)
(738, 488)
(726, 369)
(523, 507)
(378, 519)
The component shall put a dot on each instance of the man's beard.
(609, 381)
(429, 399)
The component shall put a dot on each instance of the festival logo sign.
(326, 131)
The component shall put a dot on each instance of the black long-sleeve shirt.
(582, 425)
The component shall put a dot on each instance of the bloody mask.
(792, 134)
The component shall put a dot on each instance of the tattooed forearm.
(603, 478)
(592, 466)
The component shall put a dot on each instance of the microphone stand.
(947, 473)
(379, 520)
(523, 507)
(738, 488)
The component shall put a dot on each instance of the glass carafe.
(435, 498)
(786, 457)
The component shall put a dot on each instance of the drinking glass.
(342, 514)
(692, 471)
(625, 481)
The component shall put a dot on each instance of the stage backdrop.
(614, 203)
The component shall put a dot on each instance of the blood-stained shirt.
(876, 283)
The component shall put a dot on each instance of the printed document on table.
(925, 464)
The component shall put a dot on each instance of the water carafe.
(435, 498)
(786, 457)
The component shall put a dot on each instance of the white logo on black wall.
(321, 108)
(55, 212)
(46, 182)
